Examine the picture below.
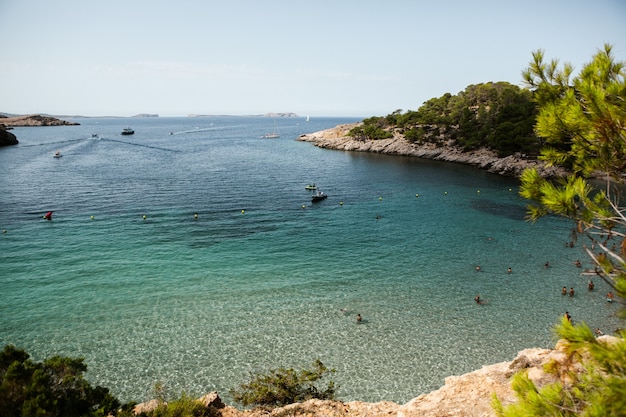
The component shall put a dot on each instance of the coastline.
(337, 138)
(468, 395)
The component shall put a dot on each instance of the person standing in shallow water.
(564, 291)
(359, 318)
(571, 292)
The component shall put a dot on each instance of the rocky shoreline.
(337, 138)
(468, 395)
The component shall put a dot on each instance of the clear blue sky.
(322, 57)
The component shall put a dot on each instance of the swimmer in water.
(567, 316)
(358, 318)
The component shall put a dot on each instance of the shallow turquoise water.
(198, 303)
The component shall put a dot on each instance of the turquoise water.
(263, 277)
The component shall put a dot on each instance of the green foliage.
(282, 386)
(583, 120)
(54, 387)
(373, 128)
(598, 391)
(499, 116)
(185, 406)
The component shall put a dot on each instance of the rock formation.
(7, 138)
(337, 138)
(467, 395)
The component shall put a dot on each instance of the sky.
(339, 58)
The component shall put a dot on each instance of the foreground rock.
(337, 138)
(35, 120)
(467, 395)
(7, 138)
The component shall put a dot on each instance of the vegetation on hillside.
(54, 387)
(279, 387)
(583, 121)
(499, 116)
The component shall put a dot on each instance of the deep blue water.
(262, 278)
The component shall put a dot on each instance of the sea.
(190, 255)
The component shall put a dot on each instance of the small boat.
(57, 154)
(272, 135)
(310, 187)
(319, 196)
(128, 131)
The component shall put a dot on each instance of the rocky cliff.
(467, 395)
(337, 138)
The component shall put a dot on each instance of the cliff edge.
(513, 165)
(468, 395)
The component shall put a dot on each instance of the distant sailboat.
(272, 135)
(307, 118)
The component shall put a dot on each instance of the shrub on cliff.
(54, 387)
(282, 386)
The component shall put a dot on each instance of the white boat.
(307, 118)
(57, 154)
(272, 135)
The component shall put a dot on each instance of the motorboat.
(319, 196)
(128, 131)
(310, 187)
(57, 154)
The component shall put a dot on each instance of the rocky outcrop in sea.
(337, 138)
(7, 138)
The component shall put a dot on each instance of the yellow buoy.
(341, 203)
(92, 217)
(478, 191)
(195, 215)
(417, 195)
(243, 211)
(303, 206)
(445, 193)
(380, 199)
(145, 217)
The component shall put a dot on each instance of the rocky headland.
(34, 120)
(468, 395)
(337, 138)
